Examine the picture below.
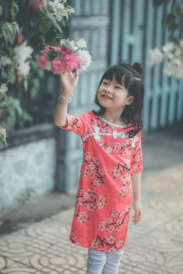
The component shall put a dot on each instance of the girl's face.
(111, 94)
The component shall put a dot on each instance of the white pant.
(109, 262)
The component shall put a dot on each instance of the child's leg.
(113, 262)
(95, 262)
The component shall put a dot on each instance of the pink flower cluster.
(68, 61)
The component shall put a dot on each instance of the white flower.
(72, 43)
(85, 58)
(3, 88)
(168, 48)
(71, 10)
(81, 43)
(178, 72)
(48, 66)
(169, 69)
(22, 52)
(2, 132)
(4, 61)
(56, 4)
(59, 17)
(24, 68)
(156, 56)
(62, 42)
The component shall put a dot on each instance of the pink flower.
(41, 60)
(57, 65)
(67, 62)
(56, 48)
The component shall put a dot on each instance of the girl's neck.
(113, 117)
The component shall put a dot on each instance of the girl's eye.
(117, 87)
(105, 83)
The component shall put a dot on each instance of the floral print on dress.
(93, 169)
(90, 200)
(136, 157)
(115, 224)
(105, 189)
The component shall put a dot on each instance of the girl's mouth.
(106, 97)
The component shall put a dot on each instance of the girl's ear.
(130, 100)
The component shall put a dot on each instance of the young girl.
(112, 163)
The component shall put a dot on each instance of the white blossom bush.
(31, 25)
(173, 53)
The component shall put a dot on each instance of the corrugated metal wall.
(136, 28)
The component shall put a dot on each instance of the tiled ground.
(153, 246)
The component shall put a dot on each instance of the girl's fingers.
(76, 74)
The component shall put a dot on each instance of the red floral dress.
(105, 190)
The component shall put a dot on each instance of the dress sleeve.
(136, 156)
(76, 123)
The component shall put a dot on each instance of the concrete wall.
(29, 165)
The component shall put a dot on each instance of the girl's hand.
(138, 212)
(69, 80)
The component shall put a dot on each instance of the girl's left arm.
(136, 181)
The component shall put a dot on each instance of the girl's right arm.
(68, 82)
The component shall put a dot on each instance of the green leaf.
(1, 10)
(9, 26)
(52, 55)
(25, 83)
(54, 22)
(169, 21)
(174, 39)
(44, 26)
(5, 36)
(14, 10)
(67, 44)
(16, 26)
(63, 22)
(178, 10)
(157, 3)
(34, 22)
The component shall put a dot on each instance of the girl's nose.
(108, 89)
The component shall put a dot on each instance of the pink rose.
(71, 59)
(56, 48)
(57, 65)
(45, 51)
(41, 60)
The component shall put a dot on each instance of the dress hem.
(78, 244)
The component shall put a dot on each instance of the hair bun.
(138, 68)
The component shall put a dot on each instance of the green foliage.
(39, 27)
(174, 20)
(157, 3)
(8, 31)
(28, 193)
(12, 107)
(14, 9)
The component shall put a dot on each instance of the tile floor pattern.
(154, 246)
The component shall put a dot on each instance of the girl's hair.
(131, 78)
